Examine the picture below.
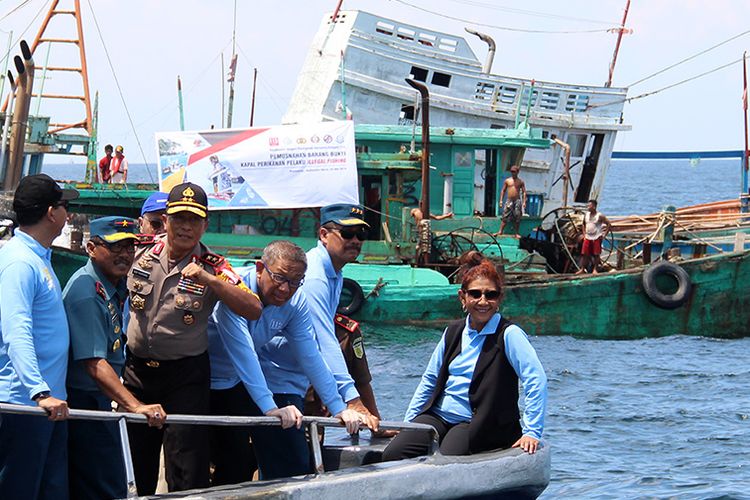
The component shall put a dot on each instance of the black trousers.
(453, 439)
(180, 386)
(231, 453)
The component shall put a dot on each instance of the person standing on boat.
(174, 284)
(469, 391)
(34, 346)
(104, 165)
(594, 231)
(93, 300)
(151, 221)
(515, 205)
(118, 167)
(342, 231)
(239, 386)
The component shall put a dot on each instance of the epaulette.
(346, 323)
(221, 267)
(144, 239)
(158, 247)
(100, 290)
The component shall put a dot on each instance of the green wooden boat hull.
(606, 306)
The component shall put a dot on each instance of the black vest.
(493, 392)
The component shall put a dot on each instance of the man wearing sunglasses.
(93, 299)
(341, 234)
(34, 346)
(243, 385)
(150, 221)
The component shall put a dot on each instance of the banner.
(286, 166)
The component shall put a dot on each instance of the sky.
(136, 48)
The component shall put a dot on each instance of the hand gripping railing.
(122, 418)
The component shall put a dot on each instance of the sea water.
(653, 418)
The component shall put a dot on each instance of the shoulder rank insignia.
(158, 247)
(346, 323)
(144, 239)
(221, 267)
(100, 290)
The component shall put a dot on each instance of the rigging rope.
(689, 58)
(504, 28)
(13, 10)
(119, 90)
(532, 13)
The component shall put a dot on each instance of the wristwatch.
(42, 395)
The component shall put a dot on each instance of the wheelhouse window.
(419, 74)
(441, 79)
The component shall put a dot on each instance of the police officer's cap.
(40, 191)
(112, 229)
(343, 214)
(157, 202)
(188, 197)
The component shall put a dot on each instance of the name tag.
(141, 273)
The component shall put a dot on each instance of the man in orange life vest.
(118, 167)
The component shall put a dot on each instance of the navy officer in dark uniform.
(174, 284)
(93, 300)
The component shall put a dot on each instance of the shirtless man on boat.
(594, 231)
(515, 205)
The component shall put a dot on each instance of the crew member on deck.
(118, 167)
(469, 391)
(104, 165)
(174, 284)
(93, 300)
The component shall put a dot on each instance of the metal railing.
(312, 424)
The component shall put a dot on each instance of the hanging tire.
(351, 299)
(663, 300)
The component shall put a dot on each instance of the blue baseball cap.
(112, 229)
(343, 214)
(155, 203)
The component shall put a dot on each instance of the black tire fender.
(357, 298)
(663, 300)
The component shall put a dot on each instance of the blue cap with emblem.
(157, 202)
(343, 214)
(112, 229)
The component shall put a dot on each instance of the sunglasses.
(347, 234)
(280, 279)
(119, 247)
(488, 294)
(155, 223)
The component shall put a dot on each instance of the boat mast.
(620, 31)
(746, 152)
(252, 101)
(179, 101)
(232, 69)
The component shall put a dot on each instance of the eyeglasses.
(361, 233)
(280, 279)
(119, 247)
(488, 294)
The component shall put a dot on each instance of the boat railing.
(311, 423)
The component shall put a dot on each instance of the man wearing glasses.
(173, 285)
(34, 346)
(93, 300)
(239, 387)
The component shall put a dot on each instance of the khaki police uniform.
(168, 361)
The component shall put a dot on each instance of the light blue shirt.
(454, 407)
(34, 336)
(233, 343)
(322, 290)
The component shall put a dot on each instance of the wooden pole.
(252, 101)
